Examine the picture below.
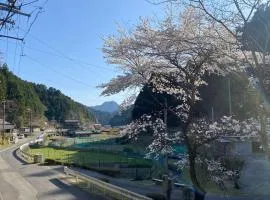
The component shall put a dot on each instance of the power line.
(73, 62)
(40, 10)
(58, 56)
(26, 4)
(20, 58)
(63, 55)
(60, 73)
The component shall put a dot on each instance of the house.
(97, 126)
(71, 124)
(84, 133)
(25, 130)
(62, 131)
(107, 126)
(236, 146)
(36, 128)
(9, 128)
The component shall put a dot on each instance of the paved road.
(21, 181)
(254, 181)
(255, 177)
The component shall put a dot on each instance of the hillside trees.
(44, 103)
(60, 107)
(173, 58)
(24, 97)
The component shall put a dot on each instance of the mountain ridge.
(107, 106)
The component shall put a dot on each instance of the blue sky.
(62, 49)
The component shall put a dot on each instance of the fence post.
(122, 196)
(88, 185)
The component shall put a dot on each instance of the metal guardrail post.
(107, 188)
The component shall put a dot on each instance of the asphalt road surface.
(22, 181)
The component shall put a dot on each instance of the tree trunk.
(199, 191)
(264, 137)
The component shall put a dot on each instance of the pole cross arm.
(10, 37)
(15, 10)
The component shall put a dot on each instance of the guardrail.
(106, 188)
(26, 156)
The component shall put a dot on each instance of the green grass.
(87, 158)
(3, 146)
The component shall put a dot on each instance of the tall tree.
(174, 57)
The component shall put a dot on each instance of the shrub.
(104, 179)
(128, 150)
(109, 172)
(139, 165)
(105, 171)
(156, 196)
(49, 161)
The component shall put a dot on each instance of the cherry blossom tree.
(173, 56)
(238, 18)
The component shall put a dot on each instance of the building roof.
(72, 121)
(83, 132)
(229, 139)
(7, 125)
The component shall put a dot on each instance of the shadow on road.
(66, 188)
(43, 174)
(14, 153)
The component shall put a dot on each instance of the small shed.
(9, 128)
(235, 146)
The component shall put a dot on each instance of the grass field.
(87, 158)
(4, 146)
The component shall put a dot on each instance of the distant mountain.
(122, 118)
(109, 114)
(101, 117)
(108, 106)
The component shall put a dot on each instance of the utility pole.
(212, 113)
(4, 115)
(230, 98)
(11, 9)
(30, 119)
(165, 124)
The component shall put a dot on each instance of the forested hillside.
(44, 103)
(101, 116)
(215, 100)
(122, 117)
(117, 118)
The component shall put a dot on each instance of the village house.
(9, 128)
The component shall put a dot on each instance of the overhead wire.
(40, 10)
(15, 53)
(57, 55)
(57, 52)
(60, 53)
(29, 3)
(20, 58)
(60, 73)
